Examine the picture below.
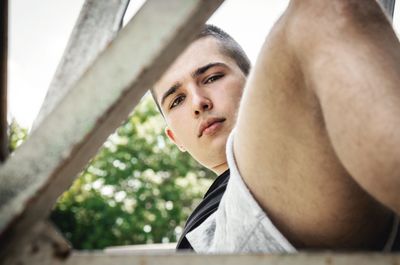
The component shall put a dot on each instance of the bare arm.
(317, 139)
(354, 70)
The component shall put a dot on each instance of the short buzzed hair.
(228, 46)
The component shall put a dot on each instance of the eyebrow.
(203, 69)
(169, 92)
(199, 71)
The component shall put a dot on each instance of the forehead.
(200, 53)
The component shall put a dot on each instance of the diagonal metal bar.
(98, 23)
(388, 6)
(42, 168)
(3, 80)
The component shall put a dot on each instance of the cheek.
(239, 89)
(235, 91)
(177, 127)
(179, 124)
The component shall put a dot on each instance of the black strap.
(207, 206)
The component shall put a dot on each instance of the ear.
(171, 136)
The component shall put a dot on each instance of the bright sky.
(39, 31)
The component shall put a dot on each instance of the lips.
(209, 124)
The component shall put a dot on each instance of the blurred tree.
(16, 135)
(139, 188)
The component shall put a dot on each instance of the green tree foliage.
(139, 188)
(16, 134)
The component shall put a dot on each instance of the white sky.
(39, 31)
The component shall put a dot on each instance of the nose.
(201, 103)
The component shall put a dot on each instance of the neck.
(221, 168)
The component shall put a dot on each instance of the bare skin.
(214, 92)
(316, 139)
(318, 124)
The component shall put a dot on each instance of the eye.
(177, 101)
(212, 78)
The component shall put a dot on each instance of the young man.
(313, 150)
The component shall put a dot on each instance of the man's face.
(199, 96)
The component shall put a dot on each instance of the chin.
(216, 158)
(220, 142)
(215, 152)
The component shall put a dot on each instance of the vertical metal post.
(388, 6)
(3, 79)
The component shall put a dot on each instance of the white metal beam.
(328, 258)
(98, 23)
(47, 163)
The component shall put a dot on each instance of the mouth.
(210, 126)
